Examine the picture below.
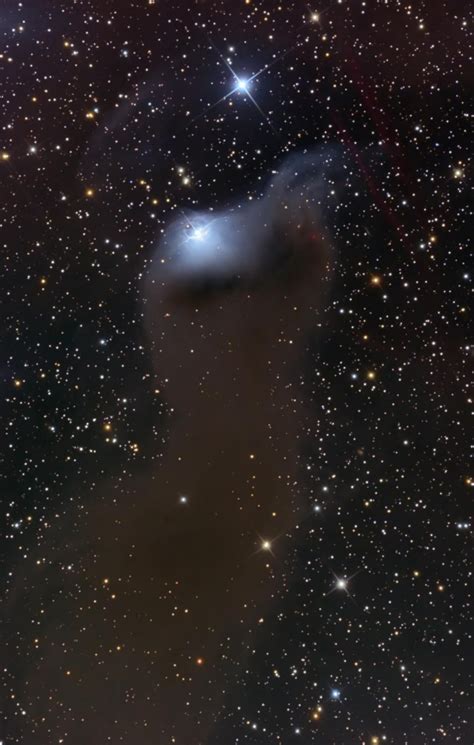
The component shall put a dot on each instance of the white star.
(342, 583)
(242, 85)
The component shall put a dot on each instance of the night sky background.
(235, 364)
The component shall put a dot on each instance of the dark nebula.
(197, 538)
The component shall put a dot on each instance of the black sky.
(236, 492)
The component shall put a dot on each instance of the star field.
(236, 371)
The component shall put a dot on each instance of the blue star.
(242, 85)
(199, 234)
